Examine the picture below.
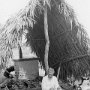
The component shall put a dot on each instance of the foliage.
(68, 39)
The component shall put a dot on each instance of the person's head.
(50, 72)
(11, 76)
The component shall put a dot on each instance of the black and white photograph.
(44, 44)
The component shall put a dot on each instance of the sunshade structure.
(68, 39)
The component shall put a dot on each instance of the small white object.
(41, 72)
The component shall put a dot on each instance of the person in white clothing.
(50, 82)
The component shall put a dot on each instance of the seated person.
(8, 71)
(50, 82)
(7, 75)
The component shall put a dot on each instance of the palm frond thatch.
(67, 37)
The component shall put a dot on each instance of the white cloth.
(50, 84)
(85, 85)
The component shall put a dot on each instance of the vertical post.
(20, 51)
(46, 38)
(58, 72)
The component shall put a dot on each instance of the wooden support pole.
(46, 38)
(58, 73)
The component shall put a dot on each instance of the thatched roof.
(68, 39)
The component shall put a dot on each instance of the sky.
(82, 10)
(9, 8)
